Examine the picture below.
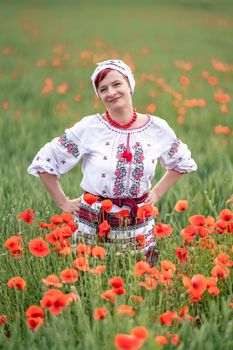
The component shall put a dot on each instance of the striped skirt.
(126, 234)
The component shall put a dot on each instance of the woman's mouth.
(115, 99)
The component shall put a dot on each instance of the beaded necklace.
(118, 125)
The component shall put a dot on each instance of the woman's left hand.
(152, 198)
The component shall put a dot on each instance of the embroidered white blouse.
(106, 172)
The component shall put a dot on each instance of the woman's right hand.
(71, 206)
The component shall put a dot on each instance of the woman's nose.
(111, 91)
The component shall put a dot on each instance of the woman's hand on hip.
(152, 197)
(71, 206)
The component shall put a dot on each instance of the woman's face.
(114, 91)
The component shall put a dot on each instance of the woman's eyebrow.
(111, 83)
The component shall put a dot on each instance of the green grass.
(194, 31)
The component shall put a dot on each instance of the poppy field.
(60, 294)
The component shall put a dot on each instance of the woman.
(120, 149)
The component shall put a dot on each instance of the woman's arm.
(53, 187)
(168, 180)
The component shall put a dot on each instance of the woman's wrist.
(157, 193)
(62, 204)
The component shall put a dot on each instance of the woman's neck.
(121, 115)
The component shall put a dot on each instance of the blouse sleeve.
(60, 155)
(175, 155)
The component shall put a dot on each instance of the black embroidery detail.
(138, 171)
(120, 172)
(174, 148)
(70, 146)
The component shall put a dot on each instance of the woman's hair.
(102, 74)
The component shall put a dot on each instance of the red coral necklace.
(121, 126)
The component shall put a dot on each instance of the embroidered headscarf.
(118, 65)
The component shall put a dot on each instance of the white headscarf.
(118, 65)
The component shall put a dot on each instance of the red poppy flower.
(65, 251)
(66, 232)
(161, 340)
(189, 233)
(119, 291)
(57, 219)
(98, 252)
(221, 226)
(100, 313)
(197, 286)
(69, 275)
(109, 294)
(34, 311)
(3, 319)
(83, 249)
(17, 282)
(140, 332)
(52, 281)
(144, 211)
(35, 322)
(181, 205)
(226, 215)
(174, 338)
(116, 282)
(73, 297)
(141, 268)
(223, 258)
(104, 229)
(98, 270)
(125, 310)
(127, 342)
(212, 286)
(13, 242)
(141, 240)
(155, 212)
(220, 271)
(67, 217)
(106, 205)
(81, 263)
(168, 267)
(162, 230)
(27, 215)
(202, 231)
(168, 317)
(124, 213)
(55, 301)
(54, 236)
(38, 247)
(181, 254)
(73, 225)
(90, 198)
(197, 220)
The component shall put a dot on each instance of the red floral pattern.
(70, 146)
(128, 174)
